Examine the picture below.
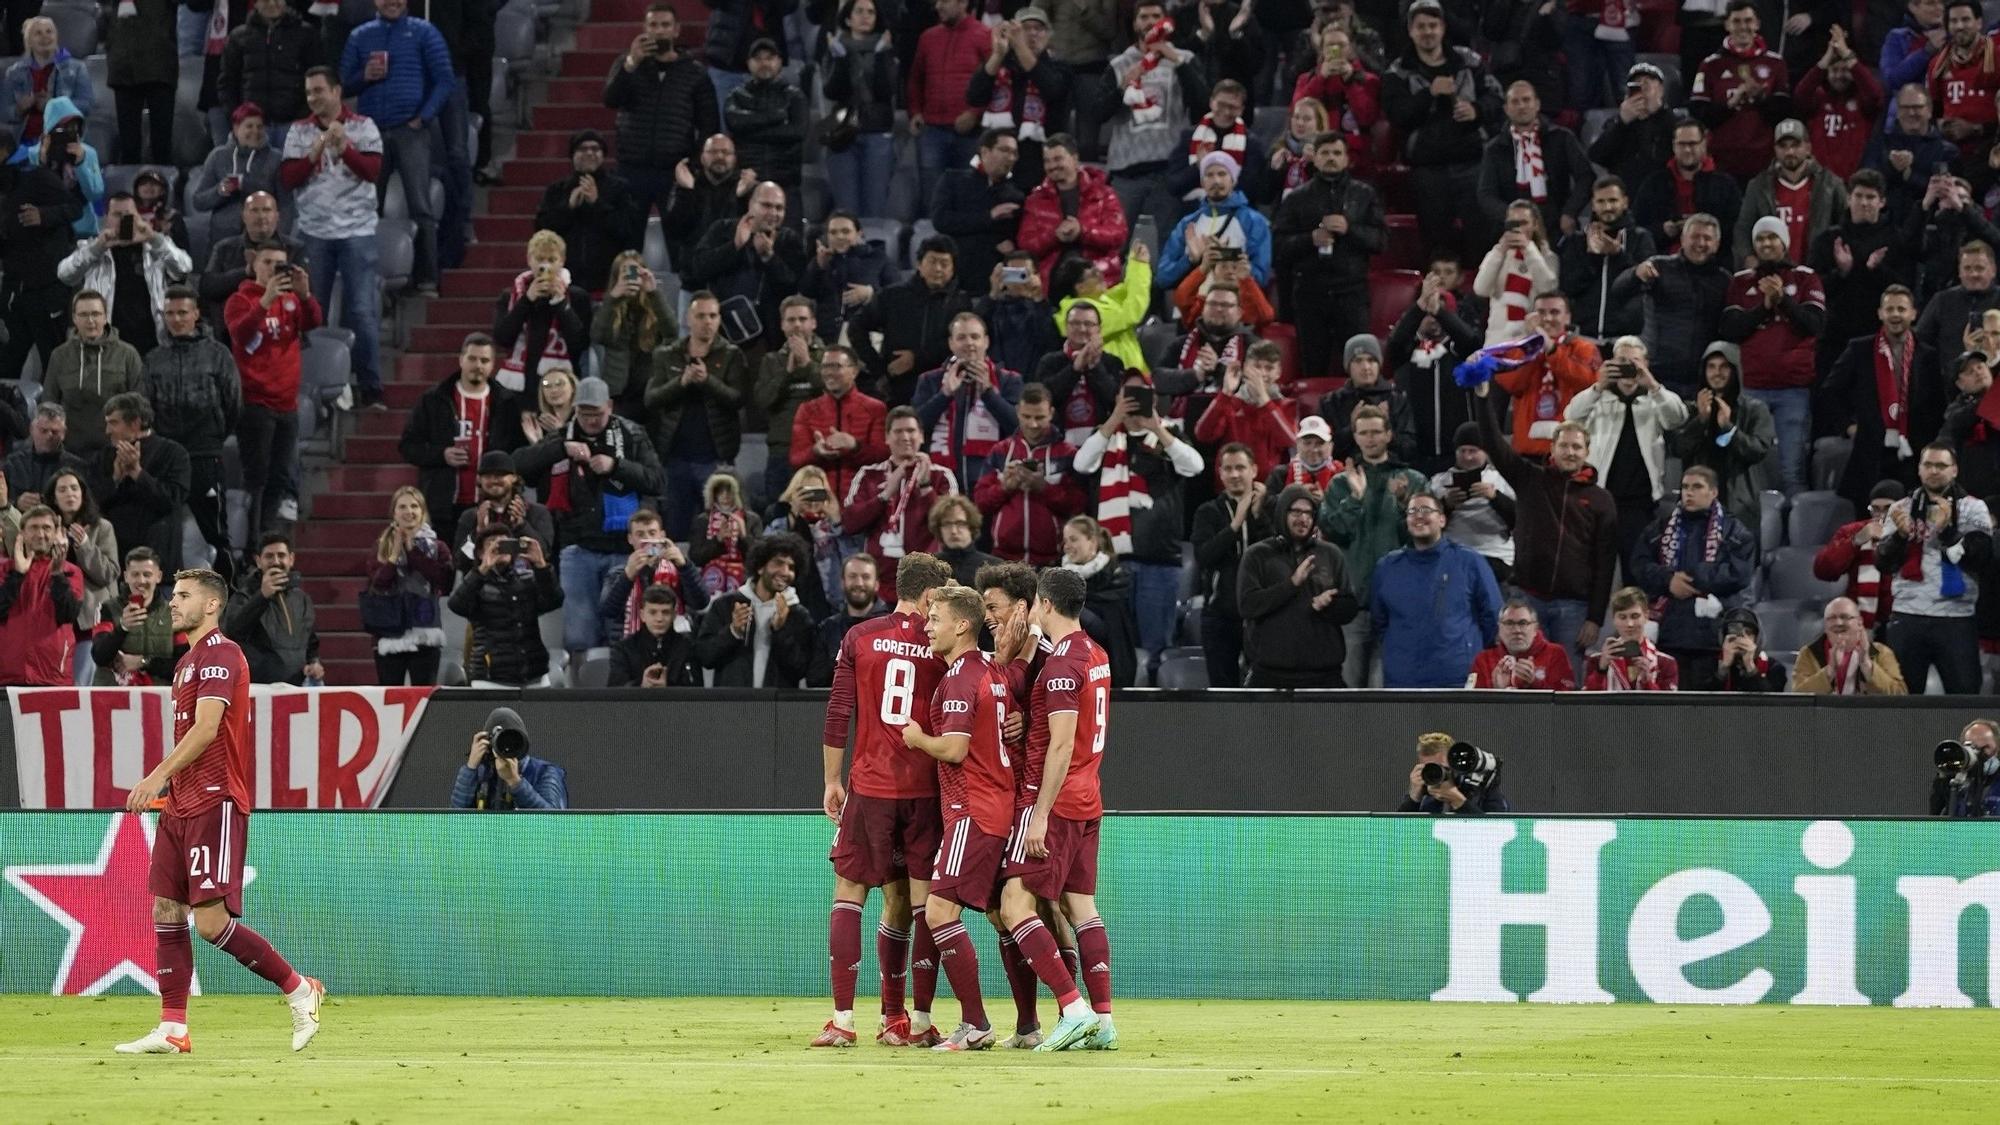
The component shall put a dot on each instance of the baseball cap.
(763, 45)
(1315, 426)
(1790, 129)
(593, 392)
(493, 461)
(1032, 13)
(1423, 8)
(1646, 70)
(1967, 359)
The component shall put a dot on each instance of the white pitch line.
(1218, 1072)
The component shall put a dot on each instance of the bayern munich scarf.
(1517, 292)
(724, 573)
(1298, 166)
(1120, 492)
(1230, 352)
(1892, 389)
(1315, 476)
(565, 476)
(1843, 668)
(1002, 112)
(1530, 171)
(1626, 673)
(664, 574)
(1674, 538)
(1146, 110)
(1234, 143)
(1946, 61)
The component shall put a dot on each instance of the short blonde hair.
(1628, 598)
(544, 243)
(1434, 742)
(961, 601)
(1632, 343)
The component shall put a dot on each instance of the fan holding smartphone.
(1629, 661)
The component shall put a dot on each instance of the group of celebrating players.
(986, 764)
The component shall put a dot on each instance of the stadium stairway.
(351, 503)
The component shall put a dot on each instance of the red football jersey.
(886, 668)
(213, 669)
(1075, 678)
(1965, 92)
(972, 701)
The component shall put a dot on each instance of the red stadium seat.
(1390, 292)
(1404, 249)
(1287, 339)
(1307, 393)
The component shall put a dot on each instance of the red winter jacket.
(267, 343)
(1027, 526)
(1779, 343)
(1841, 560)
(947, 54)
(38, 624)
(906, 519)
(853, 413)
(1551, 662)
(1360, 94)
(1097, 211)
(1268, 430)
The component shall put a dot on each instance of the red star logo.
(106, 908)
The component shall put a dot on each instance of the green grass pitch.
(737, 1059)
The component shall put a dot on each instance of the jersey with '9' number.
(884, 673)
(972, 701)
(1075, 678)
(213, 668)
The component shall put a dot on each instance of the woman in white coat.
(1520, 265)
(1629, 415)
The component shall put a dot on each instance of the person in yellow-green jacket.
(1120, 307)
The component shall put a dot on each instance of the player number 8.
(899, 692)
(1000, 717)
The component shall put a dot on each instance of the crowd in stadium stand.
(1571, 345)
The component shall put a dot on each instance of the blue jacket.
(1906, 56)
(420, 77)
(89, 179)
(543, 785)
(1727, 578)
(1174, 263)
(931, 404)
(70, 81)
(1434, 610)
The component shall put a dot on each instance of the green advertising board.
(1563, 910)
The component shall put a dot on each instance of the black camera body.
(1466, 765)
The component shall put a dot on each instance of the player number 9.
(1102, 706)
(899, 692)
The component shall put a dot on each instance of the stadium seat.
(396, 254)
(920, 231)
(889, 235)
(514, 35)
(1790, 575)
(1829, 461)
(1156, 340)
(1265, 129)
(1308, 392)
(1189, 631)
(594, 672)
(551, 626)
(1183, 669)
(1779, 624)
(1392, 185)
(1595, 121)
(1404, 247)
(654, 248)
(200, 225)
(1287, 339)
(1771, 525)
(395, 205)
(1190, 573)
(753, 459)
(1389, 293)
(76, 30)
(816, 195)
(1815, 516)
(327, 365)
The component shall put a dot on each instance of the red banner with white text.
(317, 748)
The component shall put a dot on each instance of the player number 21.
(198, 861)
(899, 692)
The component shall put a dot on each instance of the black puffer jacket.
(594, 232)
(1682, 312)
(733, 26)
(665, 110)
(502, 607)
(768, 120)
(29, 254)
(265, 61)
(195, 391)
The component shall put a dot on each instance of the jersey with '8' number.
(884, 673)
(972, 701)
(213, 669)
(1075, 678)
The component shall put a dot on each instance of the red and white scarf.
(217, 32)
(1234, 144)
(555, 352)
(1298, 472)
(1624, 674)
(1298, 169)
(664, 574)
(1002, 114)
(725, 572)
(1230, 352)
(981, 429)
(1146, 109)
(1079, 411)
(1120, 492)
(1531, 174)
(1892, 389)
(1843, 668)
(1517, 293)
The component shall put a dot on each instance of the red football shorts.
(1069, 868)
(967, 870)
(200, 857)
(882, 839)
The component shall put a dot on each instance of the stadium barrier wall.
(1244, 751)
(1355, 907)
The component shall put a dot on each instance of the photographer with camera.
(1966, 772)
(502, 601)
(1742, 664)
(499, 774)
(1453, 778)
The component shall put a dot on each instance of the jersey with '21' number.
(885, 674)
(213, 668)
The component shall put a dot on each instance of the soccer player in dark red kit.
(976, 792)
(198, 849)
(889, 826)
(1055, 856)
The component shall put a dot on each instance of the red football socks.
(843, 950)
(1095, 948)
(1038, 948)
(1021, 980)
(174, 969)
(923, 962)
(961, 967)
(892, 952)
(249, 947)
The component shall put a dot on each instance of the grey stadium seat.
(1829, 461)
(1183, 669)
(397, 252)
(1814, 517)
(1156, 340)
(76, 30)
(1780, 624)
(1771, 527)
(328, 365)
(1789, 575)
